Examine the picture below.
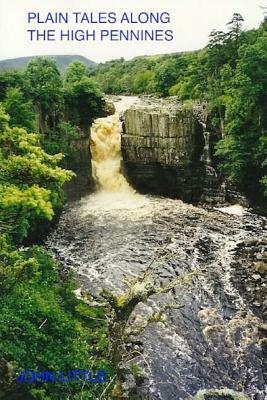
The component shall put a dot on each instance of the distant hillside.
(62, 62)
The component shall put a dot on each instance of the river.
(211, 332)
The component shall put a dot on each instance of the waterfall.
(113, 190)
(206, 158)
(201, 114)
(106, 155)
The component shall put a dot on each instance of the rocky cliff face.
(162, 146)
(164, 150)
(80, 163)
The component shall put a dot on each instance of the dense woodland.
(230, 74)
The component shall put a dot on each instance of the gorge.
(208, 337)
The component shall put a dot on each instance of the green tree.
(142, 82)
(234, 38)
(166, 75)
(44, 86)
(10, 79)
(75, 72)
(83, 99)
(20, 110)
(30, 181)
(235, 26)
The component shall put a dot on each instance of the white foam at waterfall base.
(109, 201)
(233, 210)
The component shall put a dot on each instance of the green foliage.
(20, 111)
(127, 77)
(37, 97)
(10, 79)
(142, 82)
(63, 141)
(193, 80)
(83, 99)
(230, 74)
(37, 100)
(244, 148)
(44, 327)
(44, 83)
(30, 180)
(75, 72)
(19, 208)
(169, 72)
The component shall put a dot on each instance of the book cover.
(133, 186)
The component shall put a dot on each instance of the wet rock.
(80, 163)
(256, 277)
(109, 108)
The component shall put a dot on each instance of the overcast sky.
(191, 21)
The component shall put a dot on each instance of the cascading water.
(105, 148)
(211, 337)
(113, 190)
